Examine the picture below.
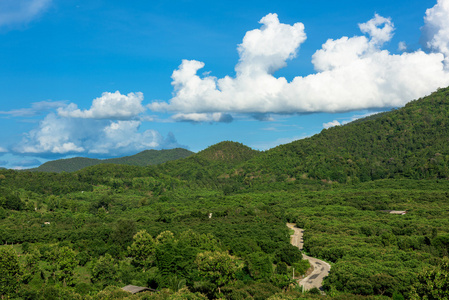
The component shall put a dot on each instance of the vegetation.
(144, 158)
(212, 225)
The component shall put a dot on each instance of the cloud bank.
(13, 12)
(111, 127)
(352, 73)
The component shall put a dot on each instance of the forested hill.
(208, 164)
(410, 142)
(229, 152)
(144, 158)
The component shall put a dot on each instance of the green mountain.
(210, 163)
(144, 158)
(227, 152)
(410, 142)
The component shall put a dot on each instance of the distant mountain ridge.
(144, 158)
(409, 142)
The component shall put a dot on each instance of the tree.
(104, 270)
(432, 284)
(260, 265)
(142, 249)
(9, 270)
(165, 237)
(67, 263)
(217, 267)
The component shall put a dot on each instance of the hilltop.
(210, 163)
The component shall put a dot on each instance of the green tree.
(217, 267)
(142, 249)
(67, 263)
(165, 237)
(432, 284)
(260, 265)
(9, 270)
(104, 270)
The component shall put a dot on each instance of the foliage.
(217, 267)
(432, 284)
(9, 270)
(144, 158)
(142, 249)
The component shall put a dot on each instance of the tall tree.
(142, 249)
(9, 270)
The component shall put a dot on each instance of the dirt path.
(320, 268)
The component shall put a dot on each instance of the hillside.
(210, 163)
(144, 158)
(231, 153)
(410, 142)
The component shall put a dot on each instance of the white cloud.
(351, 119)
(262, 52)
(353, 73)
(379, 28)
(266, 50)
(201, 117)
(402, 46)
(53, 136)
(58, 135)
(3, 150)
(331, 124)
(14, 12)
(435, 32)
(123, 136)
(36, 108)
(109, 106)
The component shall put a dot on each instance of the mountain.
(410, 142)
(144, 158)
(210, 163)
(230, 153)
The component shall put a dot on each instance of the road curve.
(320, 268)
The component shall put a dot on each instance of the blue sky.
(106, 78)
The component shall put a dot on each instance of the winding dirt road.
(320, 268)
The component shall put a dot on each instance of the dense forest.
(213, 225)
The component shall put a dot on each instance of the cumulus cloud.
(353, 73)
(13, 12)
(58, 135)
(53, 135)
(379, 28)
(3, 150)
(108, 106)
(435, 32)
(266, 50)
(111, 127)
